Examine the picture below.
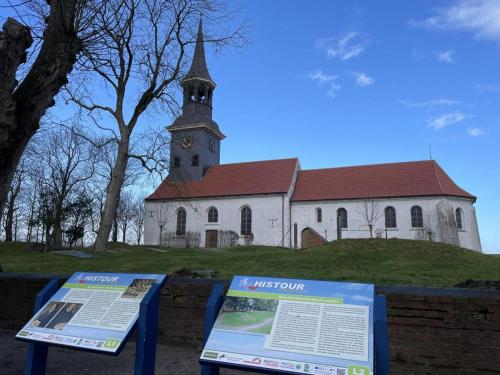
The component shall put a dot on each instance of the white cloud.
(446, 56)
(333, 89)
(488, 87)
(363, 79)
(321, 77)
(475, 132)
(428, 103)
(481, 17)
(446, 120)
(345, 47)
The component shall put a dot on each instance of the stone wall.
(431, 331)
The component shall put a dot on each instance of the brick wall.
(311, 238)
(431, 331)
(443, 331)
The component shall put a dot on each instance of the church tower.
(195, 137)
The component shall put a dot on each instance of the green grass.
(239, 319)
(379, 261)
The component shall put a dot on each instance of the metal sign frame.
(146, 328)
(381, 337)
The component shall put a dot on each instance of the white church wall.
(304, 214)
(268, 214)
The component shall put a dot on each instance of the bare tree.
(139, 56)
(370, 210)
(22, 105)
(138, 218)
(161, 216)
(125, 212)
(427, 232)
(65, 163)
(12, 201)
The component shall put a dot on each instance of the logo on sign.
(358, 370)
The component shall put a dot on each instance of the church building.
(203, 203)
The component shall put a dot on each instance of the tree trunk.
(112, 194)
(124, 232)
(9, 221)
(58, 227)
(22, 107)
(114, 236)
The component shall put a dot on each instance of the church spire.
(199, 65)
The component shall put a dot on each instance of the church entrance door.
(211, 238)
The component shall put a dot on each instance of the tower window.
(177, 162)
(196, 160)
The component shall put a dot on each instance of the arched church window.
(213, 215)
(319, 215)
(181, 222)
(390, 217)
(342, 217)
(246, 221)
(176, 162)
(196, 160)
(417, 219)
(458, 218)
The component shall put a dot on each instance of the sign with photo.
(94, 311)
(294, 326)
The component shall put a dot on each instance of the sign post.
(95, 312)
(286, 326)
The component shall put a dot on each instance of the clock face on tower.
(187, 143)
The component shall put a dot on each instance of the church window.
(458, 218)
(181, 222)
(342, 217)
(246, 221)
(390, 217)
(196, 160)
(417, 219)
(177, 162)
(319, 215)
(213, 215)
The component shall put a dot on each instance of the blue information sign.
(94, 311)
(294, 326)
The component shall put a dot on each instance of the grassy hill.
(379, 261)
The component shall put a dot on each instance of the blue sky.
(339, 83)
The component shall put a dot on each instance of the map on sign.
(298, 326)
(94, 311)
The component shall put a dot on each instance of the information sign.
(297, 326)
(94, 311)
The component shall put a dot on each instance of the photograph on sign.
(93, 311)
(289, 325)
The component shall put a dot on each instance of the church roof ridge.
(370, 165)
(256, 161)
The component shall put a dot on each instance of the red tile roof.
(418, 178)
(259, 177)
